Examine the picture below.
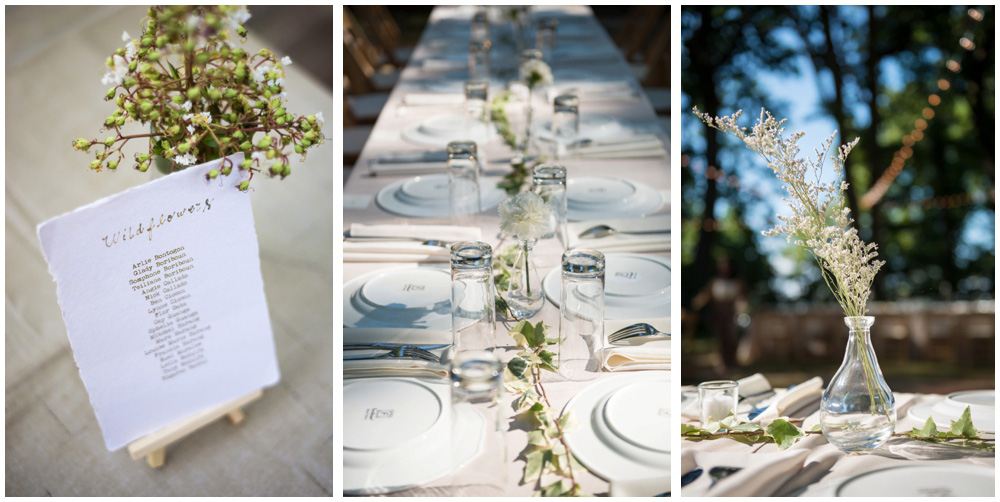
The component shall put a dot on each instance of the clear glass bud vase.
(858, 412)
(524, 295)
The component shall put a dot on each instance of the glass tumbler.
(473, 319)
(476, 97)
(717, 400)
(478, 418)
(549, 182)
(581, 314)
(463, 181)
(480, 30)
(479, 60)
(565, 125)
(545, 37)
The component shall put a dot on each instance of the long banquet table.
(361, 187)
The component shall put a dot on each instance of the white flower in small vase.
(524, 216)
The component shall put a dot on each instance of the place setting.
(592, 198)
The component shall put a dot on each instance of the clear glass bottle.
(565, 125)
(858, 411)
(524, 294)
(473, 318)
(477, 405)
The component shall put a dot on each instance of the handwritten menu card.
(161, 291)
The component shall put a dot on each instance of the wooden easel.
(154, 446)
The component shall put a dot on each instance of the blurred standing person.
(725, 295)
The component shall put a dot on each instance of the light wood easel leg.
(157, 458)
(153, 447)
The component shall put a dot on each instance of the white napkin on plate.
(402, 249)
(791, 400)
(623, 242)
(433, 99)
(393, 366)
(640, 145)
(642, 487)
(391, 163)
(762, 474)
(640, 353)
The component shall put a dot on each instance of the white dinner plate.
(615, 198)
(454, 82)
(594, 127)
(397, 433)
(982, 404)
(440, 130)
(928, 480)
(427, 196)
(400, 297)
(635, 286)
(608, 449)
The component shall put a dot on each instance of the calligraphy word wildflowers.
(820, 221)
(201, 96)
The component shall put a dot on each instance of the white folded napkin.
(392, 163)
(761, 474)
(791, 400)
(641, 487)
(640, 145)
(623, 242)
(433, 99)
(595, 91)
(640, 353)
(404, 249)
(440, 64)
(393, 366)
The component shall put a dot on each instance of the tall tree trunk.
(706, 77)
(874, 155)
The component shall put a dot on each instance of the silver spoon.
(599, 231)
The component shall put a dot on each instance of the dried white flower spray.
(820, 220)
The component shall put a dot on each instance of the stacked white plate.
(602, 198)
(397, 433)
(635, 286)
(597, 128)
(440, 130)
(926, 480)
(427, 196)
(401, 297)
(981, 404)
(624, 431)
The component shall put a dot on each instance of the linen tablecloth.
(385, 137)
(284, 446)
(812, 466)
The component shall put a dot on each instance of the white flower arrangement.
(820, 221)
(525, 216)
(537, 73)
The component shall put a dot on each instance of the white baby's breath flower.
(319, 120)
(132, 49)
(186, 160)
(125, 36)
(235, 18)
(537, 73)
(117, 72)
(187, 107)
(525, 216)
(190, 129)
(285, 61)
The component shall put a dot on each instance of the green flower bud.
(145, 67)
(224, 52)
(110, 140)
(143, 166)
(184, 147)
(95, 164)
(239, 53)
(272, 153)
(305, 142)
(238, 135)
(120, 121)
(286, 170)
(146, 41)
(261, 104)
(110, 94)
(161, 40)
(110, 121)
(280, 121)
(142, 157)
(263, 53)
(299, 149)
(120, 51)
(226, 170)
(193, 93)
(154, 115)
(305, 126)
(214, 94)
(264, 142)
(241, 31)
(230, 93)
(246, 164)
(112, 164)
(311, 119)
(129, 107)
(188, 45)
(289, 118)
(145, 106)
(267, 94)
(153, 56)
(274, 89)
(120, 100)
(128, 82)
(311, 135)
(177, 98)
(244, 146)
(276, 167)
(244, 185)
(174, 130)
(81, 144)
(202, 58)
(214, 173)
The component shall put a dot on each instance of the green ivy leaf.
(929, 429)
(746, 427)
(554, 490)
(537, 438)
(691, 429)
(784, 433)
(963, 426)
(533, 467)
(816, 427)
(567, 422)
(536, 337)
(547, 362)
(526, 400)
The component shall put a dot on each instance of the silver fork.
(401, 352)
(635, 330)
(427, 242)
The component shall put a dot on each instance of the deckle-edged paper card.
(161, 290)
